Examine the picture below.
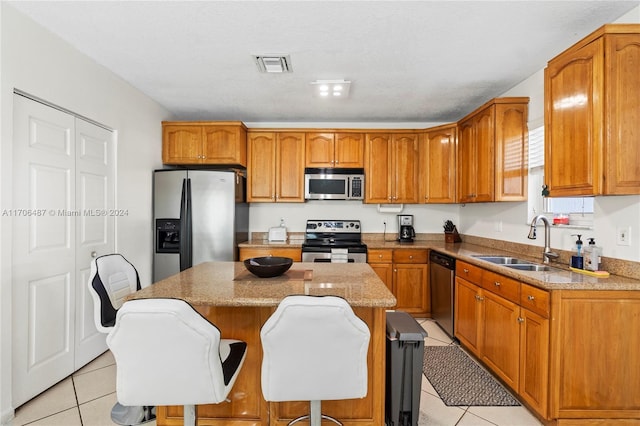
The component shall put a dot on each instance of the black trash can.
(405, 352)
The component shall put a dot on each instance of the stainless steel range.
(335, 241)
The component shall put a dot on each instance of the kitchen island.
(239, 303)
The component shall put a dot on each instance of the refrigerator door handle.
(185, 225)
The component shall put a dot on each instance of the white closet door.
(94, 227)
(43, 248)
(53, 239)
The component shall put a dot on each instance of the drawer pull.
(496, 283)
(465, 270)
(530, 297)
(410, 256)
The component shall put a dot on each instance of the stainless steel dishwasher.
(442, 270)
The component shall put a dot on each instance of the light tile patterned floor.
(86, 398)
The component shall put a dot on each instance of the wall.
(427, 219)
(37, 62)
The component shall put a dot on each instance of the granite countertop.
(230, 284)
(558, 278)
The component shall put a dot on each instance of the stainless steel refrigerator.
(199, 216)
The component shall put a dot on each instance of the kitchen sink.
(515, 263)
(504, 260)
(530, 267)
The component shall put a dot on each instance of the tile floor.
(86, 398)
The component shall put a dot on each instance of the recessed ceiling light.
(331, 88)
(273, 63)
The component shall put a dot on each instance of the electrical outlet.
(623, 236)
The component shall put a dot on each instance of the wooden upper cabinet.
(224, 145)
(290, 172)
(276, 167)
(492, 152)
(215, 143)
(261, 182)
(476, 157)
(349, 150)
(404, 152)
(391, 168)
(437, 174)
(377, 168)
(339, 150)
(320, 150)
(512, 151)
(592, 115)
(181, 144)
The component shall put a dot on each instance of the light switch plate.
(623, 236)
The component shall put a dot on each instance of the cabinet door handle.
(520, 320)
(496, 283)
(530, 297)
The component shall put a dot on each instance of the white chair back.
(168, 354)
(112, 278)
(315, 348)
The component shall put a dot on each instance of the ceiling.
(409, 61)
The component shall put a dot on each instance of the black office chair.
(112, 279)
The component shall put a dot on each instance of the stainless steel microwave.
(333, 184)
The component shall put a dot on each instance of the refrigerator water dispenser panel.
(167, 235)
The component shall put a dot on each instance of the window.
(579, 210)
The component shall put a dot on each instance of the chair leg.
(316, 414)
(189, 415)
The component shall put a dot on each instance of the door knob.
(94, 254)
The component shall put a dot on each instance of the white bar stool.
(315, 349)
(168, 354)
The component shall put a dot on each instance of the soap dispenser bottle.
(577, 260)
(592, 255)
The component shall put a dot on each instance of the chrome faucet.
(547, 254)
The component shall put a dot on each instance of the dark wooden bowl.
(267, 267)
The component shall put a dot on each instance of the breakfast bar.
(239, 303)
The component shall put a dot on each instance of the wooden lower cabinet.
(247, 406)
(493, 321)
(405, 273)
(594, 368)
(570, 355)
(467, 315)
(292, 252)
(534, 361)
(501, 337)
(381, 261)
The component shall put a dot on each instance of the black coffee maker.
(406, 233)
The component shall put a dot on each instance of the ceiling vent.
(273, 63)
